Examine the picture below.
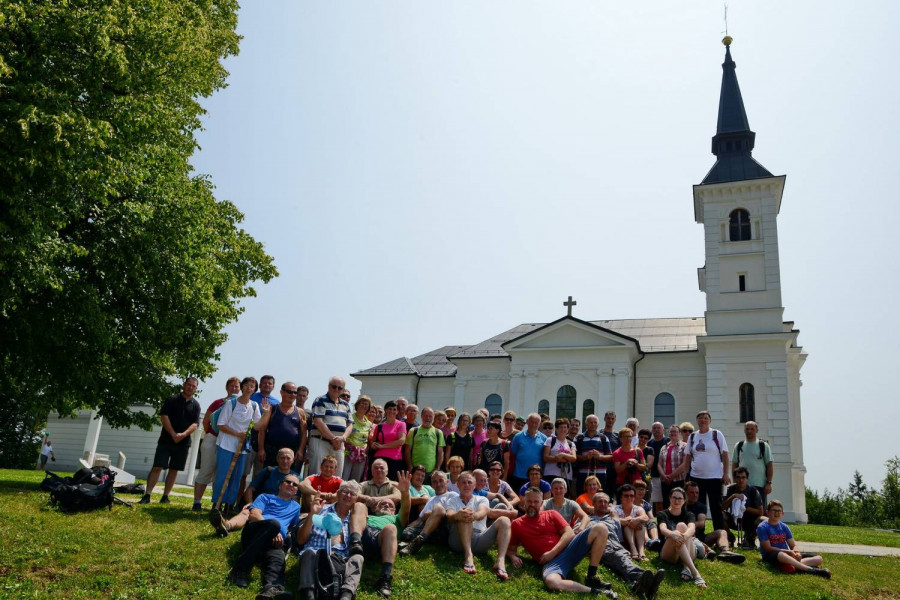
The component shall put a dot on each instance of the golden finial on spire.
(727, 40)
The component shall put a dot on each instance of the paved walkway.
(821, 547)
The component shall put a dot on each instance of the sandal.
(469, 568)
(501, 574)
(699, 582)
(643, 558)
(686, 574)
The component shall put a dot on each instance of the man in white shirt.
(467, 516)
(706, 458)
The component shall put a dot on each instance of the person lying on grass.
(467, 516)
(644, 583)
(552, 543)
(777, 546)
(265, 539)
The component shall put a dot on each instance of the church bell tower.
(752, 356)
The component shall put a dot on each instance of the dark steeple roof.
(733, 142)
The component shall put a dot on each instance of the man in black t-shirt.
(180, 417)
(742, 496)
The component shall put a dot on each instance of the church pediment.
(570, 333)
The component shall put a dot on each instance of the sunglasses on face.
(335, 387)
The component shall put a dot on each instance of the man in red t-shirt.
(325, 484)
(550, 541)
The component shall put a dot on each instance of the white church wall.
(381, 388)
(436, 392)
(682, 374)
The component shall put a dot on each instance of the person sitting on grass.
(379, 486)
(651, 537)
(552, 543)
(267, 481)
(777, 546)
(743, 509)
(535, 479)
(496, 485)
(325, 483)
(677, 527)
(467, 516)
(380, 535)
(344, 548)
(419, 491)
(633, 520)
(710, 544)
(265, 539)
(455, 466)
(586, 500)
(569, 509)
(616, 558)
(430, 518)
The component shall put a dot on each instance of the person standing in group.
(332, 424)
(357, 442)
(527, 449)
(208, 446)
(180, 417)
(670, 458)
(424, 444)
(559, 456)
(386, 440)
(285, 427)
(706, 458)
(233, 422)
(756, 456)
(460, 443)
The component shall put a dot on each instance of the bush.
(20, 442)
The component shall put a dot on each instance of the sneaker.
(641, 587)
(658, 578)
(383, 586)
(274, 592)
(608, 593)
(145, 499)
(218, 522)
(196, 507)
(820, 573)
(165, 499)
(238, 578)
(415, 545)
(731, 557)
(748, 545)
(654, 545)
(596, 582)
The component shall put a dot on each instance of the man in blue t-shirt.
(527, 449)
(776, 544)
(265, 539)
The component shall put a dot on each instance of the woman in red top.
(628, 460)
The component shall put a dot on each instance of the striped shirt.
(319, 537)
(336, 415)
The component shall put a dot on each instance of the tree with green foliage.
(120, 267)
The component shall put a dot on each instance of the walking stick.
(234, 459)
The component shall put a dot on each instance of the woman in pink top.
(387, 440)
(479, 434)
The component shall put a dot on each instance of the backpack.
(715, 437)
(329, 575)
(87, 489)
(740, 448)
(214, 419)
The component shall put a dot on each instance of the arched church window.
(748, 402)
(494, 404)
(565, 402)
(739, 225)
(587, 409)
(544, 407)
(664, 408)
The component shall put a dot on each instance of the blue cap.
(330, 522)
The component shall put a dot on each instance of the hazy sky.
(431, 173)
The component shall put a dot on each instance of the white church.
(741, 360)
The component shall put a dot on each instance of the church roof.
(734, 141)
(652, 335)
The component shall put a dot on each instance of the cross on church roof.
(569, 305)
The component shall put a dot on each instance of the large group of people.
(337, 483)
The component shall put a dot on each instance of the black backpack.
(87, 489)
(329, 575)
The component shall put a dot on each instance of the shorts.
(207, 472)
(481, 540)
(44, 458)
(566, 560)
(170, 455)
(771, 557)
(656, 490)
(371, 547)
(699, 549)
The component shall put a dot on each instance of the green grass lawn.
(160, 552)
